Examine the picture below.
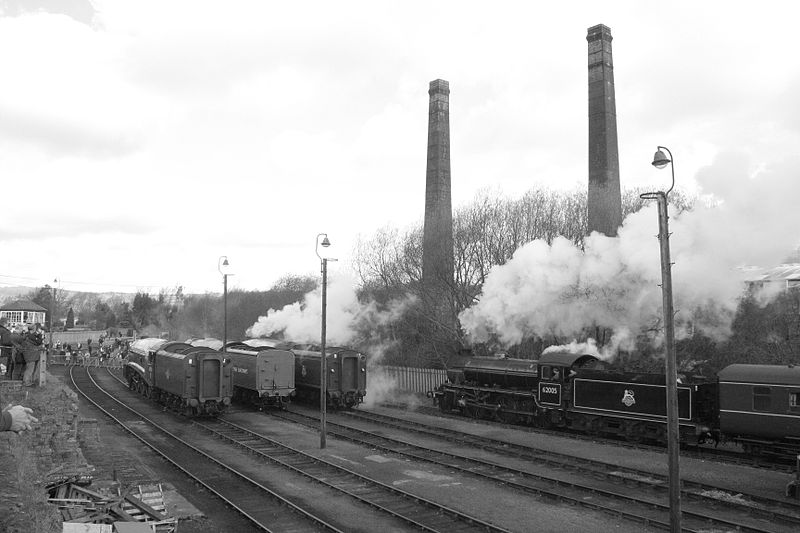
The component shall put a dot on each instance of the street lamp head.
(660, 160)
(325, 243)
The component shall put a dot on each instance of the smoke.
(347, 319)
(743, 219)
(620, 340)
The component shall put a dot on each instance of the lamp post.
(323, 366)
(660, 160)
(224, 268)
(52, 314)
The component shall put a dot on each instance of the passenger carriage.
(760, 407)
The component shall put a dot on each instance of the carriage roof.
(761, 374)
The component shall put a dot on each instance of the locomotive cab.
(555, 384)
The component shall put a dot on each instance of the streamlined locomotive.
(192, 380)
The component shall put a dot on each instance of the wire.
(59, 281)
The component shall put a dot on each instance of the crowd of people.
(20, 351)
(19, 354)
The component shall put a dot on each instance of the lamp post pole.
(323, 366)
(223, 269)
(673, 436)
(52, 314)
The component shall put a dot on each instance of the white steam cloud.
(347, 319)
(614, 282)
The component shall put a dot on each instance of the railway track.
(412, 511)
(417, 512)
(634, 495)
(264, 508)
(702, 452)
(787, 510)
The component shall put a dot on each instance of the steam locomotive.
(263, 376)
(269, 371)
(346, 383)
(755, 406)
(190, 379)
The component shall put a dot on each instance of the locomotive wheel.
(635, 433)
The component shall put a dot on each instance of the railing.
(413, 379)
(85, 360)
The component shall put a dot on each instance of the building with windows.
(783, 277)
(23, 312)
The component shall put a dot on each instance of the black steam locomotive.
(190, 379)
(753, 405)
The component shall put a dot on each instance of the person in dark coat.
(6, 346)
(32, 354)
(28, 344)
(17, 357)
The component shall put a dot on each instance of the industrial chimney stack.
(437, 249)
(604, 199)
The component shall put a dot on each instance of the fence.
(85, 360)
(414, 379)
(74, 337)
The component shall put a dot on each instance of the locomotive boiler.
(189, 379)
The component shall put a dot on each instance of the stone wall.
(29, 459)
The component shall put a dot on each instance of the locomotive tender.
(346, 383)
(190, 379)
(262, 374)
(756, 406)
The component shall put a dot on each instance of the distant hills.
(10, 294)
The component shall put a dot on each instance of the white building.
(23, 312)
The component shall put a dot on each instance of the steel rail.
(373, 440)
(283, 501)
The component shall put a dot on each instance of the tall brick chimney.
(604, 199)
(437, 249)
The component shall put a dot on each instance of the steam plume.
(614, 282)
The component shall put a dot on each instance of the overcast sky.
(140, 141)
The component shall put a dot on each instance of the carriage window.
(547, 372)
(793, 399)
(762, 398)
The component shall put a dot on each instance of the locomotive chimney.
(437, 249)
(604, 200)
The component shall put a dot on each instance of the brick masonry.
(604, 198)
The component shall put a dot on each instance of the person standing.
(18, 359)
(28, 345)
(6, 346)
